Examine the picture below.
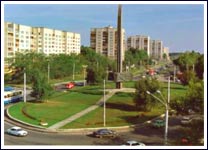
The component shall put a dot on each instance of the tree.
(136, 56)
(195, 95)
(187, 76)
(186, 60)
(142, 100)
(164, 56)
(193, 99)
(199, 67)
(41, 88)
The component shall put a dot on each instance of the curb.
(17, 120)
(83, 131)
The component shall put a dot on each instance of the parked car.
(134, 143)
(104, 133)
(158, 123)
(186, 120)
(79, 83)
(18, 131)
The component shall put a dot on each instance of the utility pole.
(166, 104)
(166, 114)
(104, 103)
(48, 72)
(174, 74)
(73, 70)
(24, 85)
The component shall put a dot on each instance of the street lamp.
(48, 71)
(24, 85)
(84, 66)
(104, 103)
(73, 70)
(166, 104)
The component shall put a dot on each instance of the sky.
(179, 26)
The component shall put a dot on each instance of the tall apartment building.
(21, 38)
(104, 41)
(156, 49)
(139, 42)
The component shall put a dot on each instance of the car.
(79, 83)
(18, 131)
(186, 120)
(104, 133)
(134, 143)
(158, 123)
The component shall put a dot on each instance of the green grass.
(57, 108)
(15, 111)
(176, 90)
(120, 107)
(120, 111)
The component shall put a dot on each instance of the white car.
(17, 131)
(186, 120)
(134, 143)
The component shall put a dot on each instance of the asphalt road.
(145, 134)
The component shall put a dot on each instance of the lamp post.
(48, 71)
(84, 66)
(166, 104)
(24, 85)
(73, 70)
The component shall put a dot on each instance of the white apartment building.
(104, 41)
(139, 42)
(21, 38)
(156, 49)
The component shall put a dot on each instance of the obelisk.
(119, 46)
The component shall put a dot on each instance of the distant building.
(156, 49)
(166, 51)
(21, 38)
(139, 42)
(104, 41)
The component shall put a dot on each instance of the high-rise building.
(104, 41)
(139, 42)
(156, 49)
(21, 38)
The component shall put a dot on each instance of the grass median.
(58, 108)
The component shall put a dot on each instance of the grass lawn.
(58, 108)
(120, 111)
(120, 108)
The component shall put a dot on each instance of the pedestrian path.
(89, 109)
(82, 113)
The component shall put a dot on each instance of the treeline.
(60, 66)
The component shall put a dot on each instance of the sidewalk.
(89, 109)
(82, 113)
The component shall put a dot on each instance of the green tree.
(187, 76)
(186, 60)
(195, 95)
(199, 67)
(41, 88)
(142, 100)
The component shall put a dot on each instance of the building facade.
(139, 42)
(21, 38)
(156, 49)
(104, 41)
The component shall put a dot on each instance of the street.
(143, 133)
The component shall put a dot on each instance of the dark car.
(79, 83)
(104, 133)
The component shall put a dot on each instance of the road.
(145, 134)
